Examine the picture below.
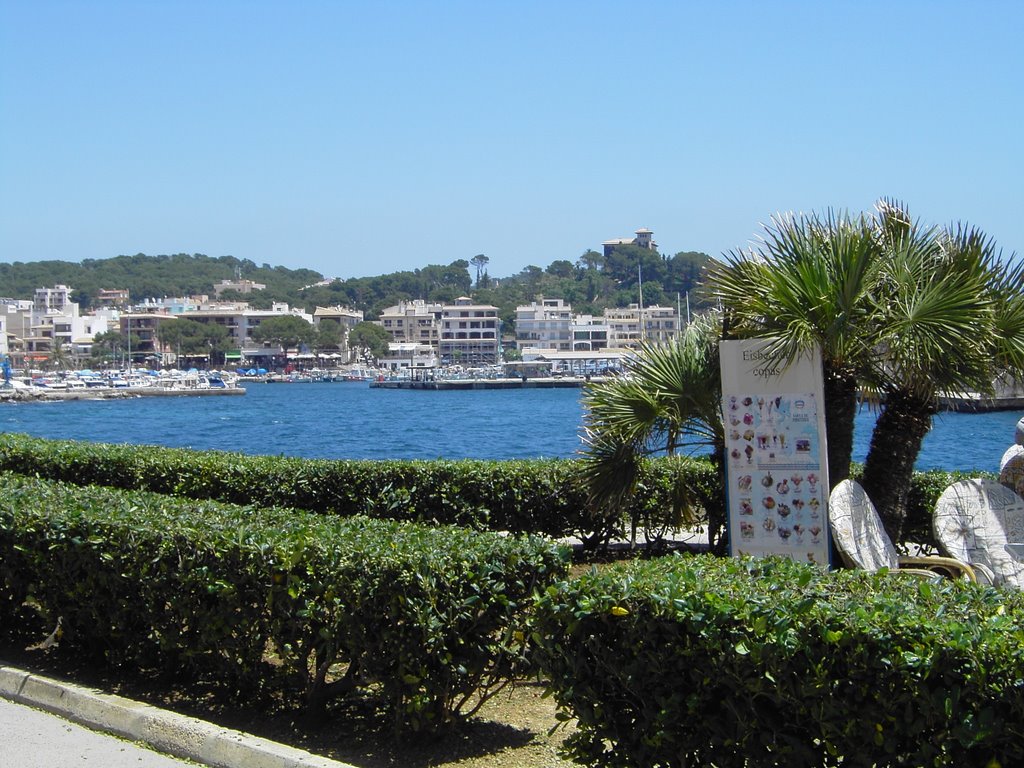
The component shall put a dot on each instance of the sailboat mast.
(640, 288)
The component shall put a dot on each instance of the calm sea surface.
(352, 421)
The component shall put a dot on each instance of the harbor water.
(352, 421)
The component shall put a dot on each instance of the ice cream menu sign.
(775, 453)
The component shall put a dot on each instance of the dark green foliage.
(590, 284)
(145, 276)
(694, 660)
(427, 618)
(529, 496)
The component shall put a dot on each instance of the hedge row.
(697, 660)
(528, 496)
(428, 618)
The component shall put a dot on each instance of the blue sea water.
(353, 421)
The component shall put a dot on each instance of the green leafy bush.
(428, 618)
(706, 661)
(527, 496)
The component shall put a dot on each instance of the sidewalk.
(37, 739)
(36, 736)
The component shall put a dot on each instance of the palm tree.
(669, 401)
(951, 320)
(810, 283)
(58, 356)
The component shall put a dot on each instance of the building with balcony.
(56, 300)
(413, 322)
(590, 334)
(629, 326)
(346, 318)
(470, 333)
(544, 324)
(241, 322)
(112, 297)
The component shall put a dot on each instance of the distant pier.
(981, 404)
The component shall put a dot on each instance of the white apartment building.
(54, 299)
(470, 333)
(590, 334)
(628, 326)
(413, 322)
(241, 322)
(544, 324)
(54, 322)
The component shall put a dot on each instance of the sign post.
(776, 463)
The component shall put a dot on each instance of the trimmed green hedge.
(706, 661)
(528, 496)
(429, 618)
(543, 496)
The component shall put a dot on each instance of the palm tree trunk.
(840, 412)
(895, 444)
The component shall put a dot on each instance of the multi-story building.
(628, 326)
(413, 322)
(54, 323)
(142, 329)
(589, 333)
(55, 299)
(644, 239)
(241, 322)
(544, 324)
(16, 316)
(346, 318)
(113, 297)
(470, 333)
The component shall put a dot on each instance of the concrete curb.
(164, 731)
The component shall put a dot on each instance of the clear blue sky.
(359, 138)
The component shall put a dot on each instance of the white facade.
(241, 322)
(545, 324)
(631, 325)
(470, 333)
(410, 355)
(54, 299)
(590, 334)
(171, 306)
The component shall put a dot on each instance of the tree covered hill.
(591, 283)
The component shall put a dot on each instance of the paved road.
(35, 739)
